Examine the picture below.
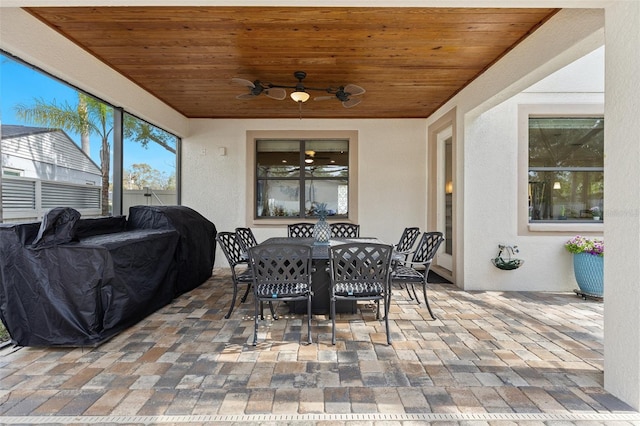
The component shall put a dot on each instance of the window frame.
(117, 142)
(251, 179)
(126, 145)
(526, 111)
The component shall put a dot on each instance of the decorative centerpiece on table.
(588, 265)
(321, 230)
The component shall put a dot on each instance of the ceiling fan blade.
(354, 90)
(243, 82)
(324, 98)
(351, 102)
(246, 96)
(276, 93)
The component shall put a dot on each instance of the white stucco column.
(622, 202)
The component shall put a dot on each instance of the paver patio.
(489, 358)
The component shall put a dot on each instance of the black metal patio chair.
(246, 239)
(403, 248)
(300, 230)
(241, 273)
(416, 271)
(360, 271)
(407, 240)
(281, 272)
(344, 230)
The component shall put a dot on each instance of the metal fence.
(25, 199)
(28, 199)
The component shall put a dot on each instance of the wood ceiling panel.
(409, 60)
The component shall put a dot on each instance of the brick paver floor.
(489, 358)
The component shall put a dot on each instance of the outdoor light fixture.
(299, 96)
(348, 95)
(556, 185)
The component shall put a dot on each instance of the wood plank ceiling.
(409, 60)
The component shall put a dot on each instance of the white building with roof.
(43, 168)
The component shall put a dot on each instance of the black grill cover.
(197, 247)
(82, 293)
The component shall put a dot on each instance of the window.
(61, 162)
(292, 176)
(566, 169)
(149, 164)
(51, 160)
(7, 171)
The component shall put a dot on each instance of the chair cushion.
(406, 273)
(358, 289)
(277, 290)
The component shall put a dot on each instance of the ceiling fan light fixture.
(299, 96)
(300, 92)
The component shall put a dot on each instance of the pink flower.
(579, 244)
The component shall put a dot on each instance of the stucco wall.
(393, 173)
(486, 151)
(391, 167)
(622, 230)
(496, 205)
(493, 195)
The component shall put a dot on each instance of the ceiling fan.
(256, 88)
(345, 94)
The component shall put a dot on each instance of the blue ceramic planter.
(589, 272)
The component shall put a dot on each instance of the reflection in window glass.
(566, 168)
(283, 191)
(278, 159)
(149, 165)
(278, 197)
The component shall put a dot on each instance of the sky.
(20, 84)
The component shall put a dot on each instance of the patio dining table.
(320, 279)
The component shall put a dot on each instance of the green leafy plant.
(580, 244)
(321, 210)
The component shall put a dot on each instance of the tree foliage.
(92, 117)
(142, 175)
(143, 133)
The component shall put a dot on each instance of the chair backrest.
(231, 248)
(281, 263)
(408, 239)
(300, 230)
(345, 230)
(427, 247)
(360, 263)
(246, 238)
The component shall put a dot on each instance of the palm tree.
(92, 117)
